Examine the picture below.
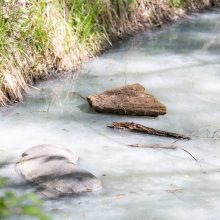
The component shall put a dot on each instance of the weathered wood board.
(55, 172)
(127, 100)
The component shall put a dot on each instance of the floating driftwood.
(54, 170)
(143, 129)
(127, 100)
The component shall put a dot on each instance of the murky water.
(180, 66)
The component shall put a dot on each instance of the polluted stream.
(179, 65)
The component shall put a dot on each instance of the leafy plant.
(24, 205)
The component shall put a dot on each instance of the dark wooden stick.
(143, 129)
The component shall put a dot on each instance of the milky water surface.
(180, 66)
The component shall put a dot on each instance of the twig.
(77, 93)
(141, 128)
(163, 146)
(188, 153)
(171, 147)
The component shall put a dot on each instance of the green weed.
(24, 205)
(178, 3)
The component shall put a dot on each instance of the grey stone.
(56, 172)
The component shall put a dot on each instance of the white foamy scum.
(178, 65)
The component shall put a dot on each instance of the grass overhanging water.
(39, 36)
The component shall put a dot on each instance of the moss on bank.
(37, 37)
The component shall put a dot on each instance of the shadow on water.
(86, 108)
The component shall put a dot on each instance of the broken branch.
(143, 129)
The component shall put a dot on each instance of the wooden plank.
(127, 100)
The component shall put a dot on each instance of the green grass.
(83, 19)
(23, 29)
(24, 40)
(178, 3)
(58, 34)
(27, 46)
(42, 35)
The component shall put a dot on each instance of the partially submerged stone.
(127, 100)
(55, 171)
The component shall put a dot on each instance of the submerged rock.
(127, 100)
(55, 171)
